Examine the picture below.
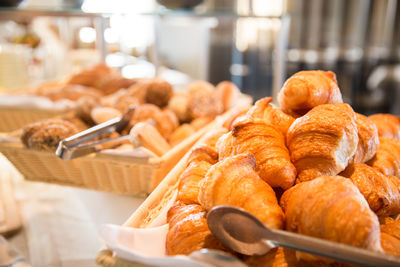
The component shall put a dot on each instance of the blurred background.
(255, 43)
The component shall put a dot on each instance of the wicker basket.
(15, 118)
(116, 173)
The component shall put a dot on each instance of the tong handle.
(333, 250)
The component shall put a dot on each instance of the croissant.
(388, 125)
(307, 89)
(381, 191)
(234, 181)
(280, 257)
(332, 208)
(188, 230)
(368, 140)
(390, 236)
(323, 141)
(237, 114)
(387, 157)
(199, 162)
(262, 110)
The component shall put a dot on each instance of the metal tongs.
(142, 134)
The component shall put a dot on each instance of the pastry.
(158, 92)
(103, 114)
(69, 91)
(368, 140)
(267, 144)
(331, 208)
(275, 116)
(382, 192)
(199, 162)
(47, 134)
(390, 236)
(179, 104)
(388, 125)
(228, 92)
(211, 138)
(188, 230)
(166, 122)
(387, 157)
(307, 89)
(234, 181)
(323, 141)
(204, 104)
(84, 107)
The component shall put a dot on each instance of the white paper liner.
(34, 102)
(144, 245)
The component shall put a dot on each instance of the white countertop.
(60, 223)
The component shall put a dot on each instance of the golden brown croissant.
(368, 140)
(199, 162)
(188, 230)
(381, 191)
(390, 236)
(388, 125)
(267, 144)
(323, 141)
(307, 89)
(280, 257)
(234, 181)
(387, 157)
(332, 208)
(275, 116)
(237, 114)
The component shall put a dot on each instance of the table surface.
(60, 223)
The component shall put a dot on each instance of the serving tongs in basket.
(142, 134)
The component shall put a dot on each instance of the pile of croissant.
(312, 166)
(101, 94)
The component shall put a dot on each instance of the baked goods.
(267, 144)
(179, 105)
(233, 181)
(368, 140)
(387, 157)
(323, 141)
(390, 236)
(275, 116)
(305, 90)
(103, 114)
(381, 191)
(188, 230)
(388, 125)
(228, 92)
(199, 162)
(47, 134)
(71, 92)
(332, 208)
